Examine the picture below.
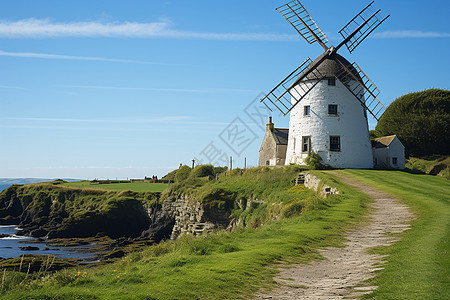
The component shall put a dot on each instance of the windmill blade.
(299, 18)
(360, 27)
(289, 92)
(359, 84)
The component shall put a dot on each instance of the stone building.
(274, 145)
(388, 153)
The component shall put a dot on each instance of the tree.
(421, 120)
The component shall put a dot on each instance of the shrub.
(182, 173)
(313, 161)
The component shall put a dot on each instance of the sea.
(10, 246)
(3, 187)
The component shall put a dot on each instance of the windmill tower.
(328, 98)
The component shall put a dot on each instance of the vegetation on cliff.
(253, 196)
(421, 120)
(48, 209)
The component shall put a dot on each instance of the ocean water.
(3, 186)
(10, 246)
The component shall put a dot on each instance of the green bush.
(313, 161)
(421, 121)
(182, 173)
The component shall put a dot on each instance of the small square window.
(332, 109)
(307, 110)
(267, 162)
(331, 81)
(394, 160)
(335, 143)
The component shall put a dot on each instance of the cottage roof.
(383, 142)
(281, 135)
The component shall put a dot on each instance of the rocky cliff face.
(181, 215)
(52, 211)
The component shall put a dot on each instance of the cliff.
(56, 212)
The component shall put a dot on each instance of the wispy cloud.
(202, 90)
(12, 87)
(44, 28)
(114, 120)
(71, 57)
(410, 34)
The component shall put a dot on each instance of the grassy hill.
(237, 264)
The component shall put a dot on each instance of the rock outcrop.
(181, 215)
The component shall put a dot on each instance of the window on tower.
(306, 144)
(335, 143)
(307, 110)
(333, 109)
(331, 81)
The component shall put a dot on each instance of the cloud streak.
(12, 87)
(70, 57)
(117, 120)
(206, 90)
(44, 28)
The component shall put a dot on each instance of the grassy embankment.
(435, 165)
(139, 187)
(418, 266)
(226, 265)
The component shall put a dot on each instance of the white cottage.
(388, 153)
(330, 121)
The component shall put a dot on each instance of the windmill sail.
(299, 18)
(289, 92)
(355, 31)
(357, 82)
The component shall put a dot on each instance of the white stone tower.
(329, 98)
(330, 121)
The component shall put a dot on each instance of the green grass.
(225, 265)
(418, 266)
(140, 187)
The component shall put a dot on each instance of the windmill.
(329, 82)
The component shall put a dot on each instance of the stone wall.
(312, 182)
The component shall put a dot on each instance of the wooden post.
(231, 163)
(193, 163)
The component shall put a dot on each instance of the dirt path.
(342, 273)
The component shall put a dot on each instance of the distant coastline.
(7, 182)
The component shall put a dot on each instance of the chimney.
(269, 126)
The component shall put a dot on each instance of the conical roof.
(331, 67)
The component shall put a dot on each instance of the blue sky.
(106, 89)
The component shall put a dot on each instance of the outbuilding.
(388, 153)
